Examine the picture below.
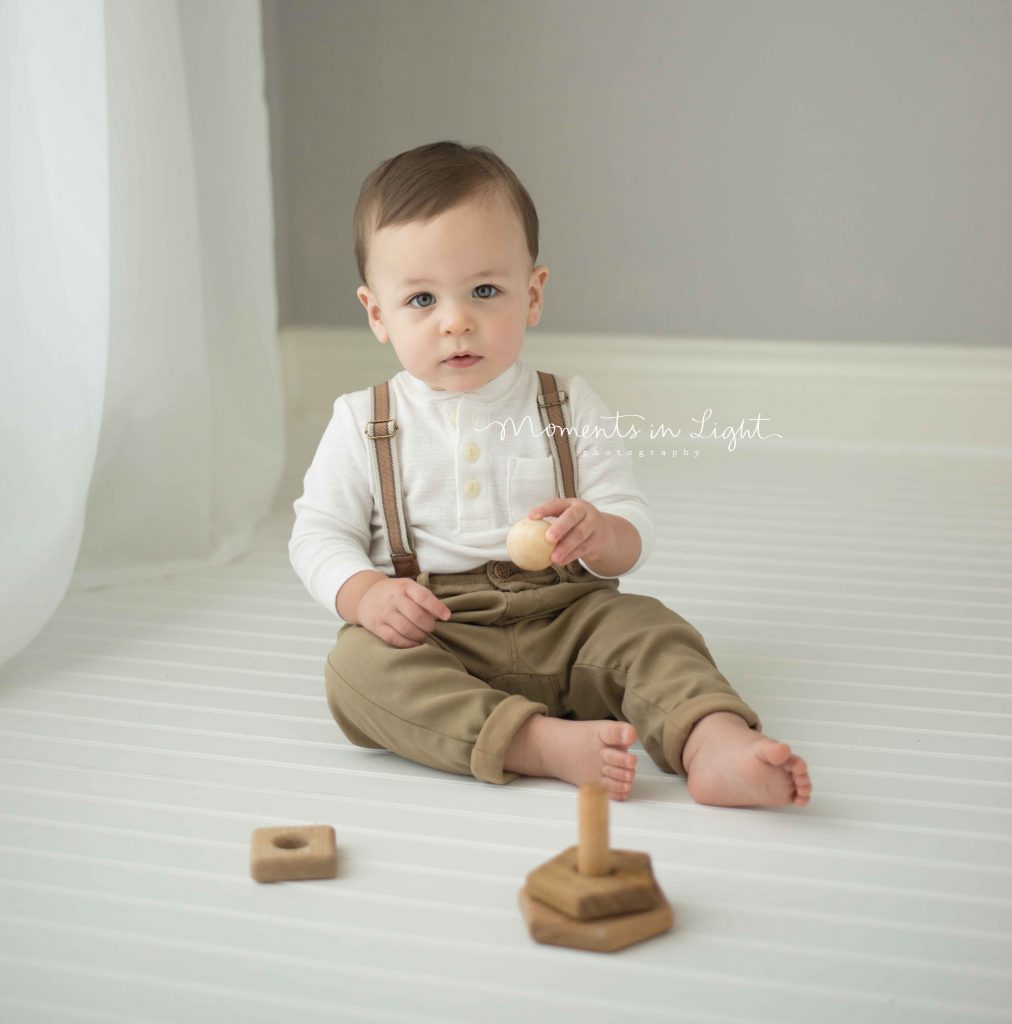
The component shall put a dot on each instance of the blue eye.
(428, 305)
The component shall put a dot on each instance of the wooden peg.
(594, 854)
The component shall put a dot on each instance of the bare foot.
(731, 765)
(576, 752)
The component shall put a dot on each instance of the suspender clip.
(373, 434)
(559, 398)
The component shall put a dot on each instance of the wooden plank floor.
(859, 601)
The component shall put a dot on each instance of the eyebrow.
(481, 273)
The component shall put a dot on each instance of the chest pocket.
(529, 482)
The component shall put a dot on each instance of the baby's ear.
(536, 292)
(372, 309)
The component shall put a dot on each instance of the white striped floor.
(860, 601)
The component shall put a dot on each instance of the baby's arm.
(330, 542)
(609, 527)
(331, 537)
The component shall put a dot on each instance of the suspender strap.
(551, 406)
(381, 430)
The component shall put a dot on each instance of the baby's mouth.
(464, 359)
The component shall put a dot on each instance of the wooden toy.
(526, 544)
(293, 853)
(592, 897)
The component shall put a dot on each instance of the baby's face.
(459, 283)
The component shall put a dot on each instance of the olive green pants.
(560, 642)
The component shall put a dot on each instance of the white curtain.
(141, 426)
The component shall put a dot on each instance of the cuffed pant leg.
(421, 703)
(500, 727)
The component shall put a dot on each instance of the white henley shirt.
(471, 465)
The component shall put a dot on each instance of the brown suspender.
(553, 419)
(382, 428)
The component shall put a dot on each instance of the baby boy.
(452, 655)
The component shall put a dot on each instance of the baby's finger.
(424, 597)
(393, 638)
(421, 617)
(399, 621)
(552, 507)
(558, 530)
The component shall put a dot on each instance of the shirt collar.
(495, 389)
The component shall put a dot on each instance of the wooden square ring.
(293, 853)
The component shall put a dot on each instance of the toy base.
(602, 935)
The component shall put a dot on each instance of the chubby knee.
(649, 623)
(639, 610)
(351, 662)
(340, 700)
(357, 655)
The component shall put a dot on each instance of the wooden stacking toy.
(293, 853)
(592, 897)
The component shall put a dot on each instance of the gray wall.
(785, 169)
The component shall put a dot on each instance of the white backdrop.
(140, 391)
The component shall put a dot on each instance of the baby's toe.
(621, 774)
(618, 758)
(617, 734)
(774, 752)
(797, 767)
(617, 790)
(799, 776)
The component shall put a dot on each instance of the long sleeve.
(331, 538)
(607, 481)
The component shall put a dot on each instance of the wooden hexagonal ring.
(602, 935)
(628, 887)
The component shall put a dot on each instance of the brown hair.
(421, 183)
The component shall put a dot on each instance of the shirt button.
(471, 452)
(471, 488)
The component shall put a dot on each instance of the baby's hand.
(400, 611)
(581, 531)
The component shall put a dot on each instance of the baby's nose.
(456, 321)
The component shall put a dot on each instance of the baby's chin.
(463, 388)
(459, 381)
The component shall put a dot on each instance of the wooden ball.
(526, 544)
